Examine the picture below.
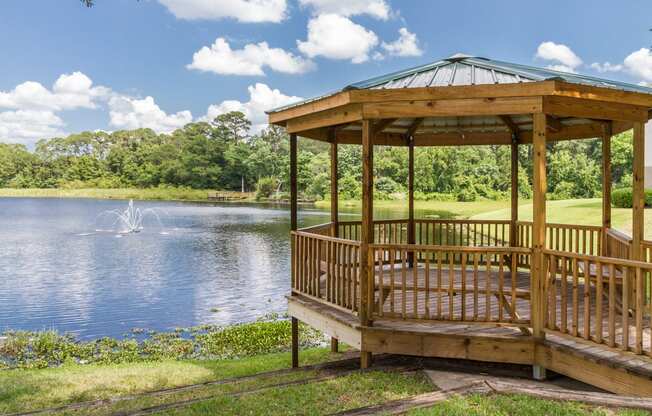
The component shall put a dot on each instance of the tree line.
(224, 154)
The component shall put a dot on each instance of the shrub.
(265, 187)
(622, 198)
(433, 196)
(467, 195)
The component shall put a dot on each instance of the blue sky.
(66, 68)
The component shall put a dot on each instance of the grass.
(29, 389)
(399, 208)
(326, 397)
(574, 211)
(162, 193)
(522, 405)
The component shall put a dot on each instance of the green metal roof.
(461, 69)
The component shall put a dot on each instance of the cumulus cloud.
(567, 60)
(133, 113)
(261, 99)
(29, 111)
(28, 126)
(250, 60)
(70, 91)
(337, 37)
(407, 44)
(606, 67)
(249, 11)
(639, 63)
(375, 8)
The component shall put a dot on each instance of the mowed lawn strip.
(318, 398)
(32, 389)
(516, 404)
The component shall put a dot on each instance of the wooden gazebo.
(572, 299)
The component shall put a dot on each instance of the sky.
(126, 64)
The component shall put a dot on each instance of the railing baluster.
(451, 288)
(625, 307)
(463, 278)
(575, 297)
(587, 300)
(598, 302)
(487, 283)
(403, 283)
(564, 295)
(427, 285)
(439, 288)
(612, 306)
(639, 311)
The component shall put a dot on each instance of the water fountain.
(129, 220)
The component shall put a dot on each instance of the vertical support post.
(537, 280)
(367, 232)
(638, 192)
(606, 185)
(293, 227)
(295, 342)
(334, 185)
(514, 193)
(334, 203)
(411, 226)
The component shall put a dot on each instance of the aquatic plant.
(23, 349)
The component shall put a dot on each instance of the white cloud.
(261, 98)
(639, 63)
(407, 44)
(606, 67)
(132, 113)
(249, 11)
(250, 60)
(336, 37)
(567, 60)
(70, 91)
(375, 8)
(28, 126)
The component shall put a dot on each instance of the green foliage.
(622, 198)
(265, 187)
(224, 154)
(23, 349)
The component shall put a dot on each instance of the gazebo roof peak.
(464, 69)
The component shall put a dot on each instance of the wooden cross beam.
(511, 125)
(380, 125)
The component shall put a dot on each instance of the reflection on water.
(213, 264)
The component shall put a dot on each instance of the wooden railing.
(477, 290)
(385, 231)
(619, 245)
(327, 269)
(473, 233)
(600, 299)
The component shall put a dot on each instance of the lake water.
(208, 264)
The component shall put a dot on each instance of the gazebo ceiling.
(468, 100)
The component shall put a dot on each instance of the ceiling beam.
(507, 120)
(414, 127)
(553, 123)
(381, 125)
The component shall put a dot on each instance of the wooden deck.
(488, 297)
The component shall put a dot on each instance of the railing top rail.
(465, 249)
(601, 259)
(461, 221)
(560, 225)
(326, 238)
(316, 227)
(619, 235)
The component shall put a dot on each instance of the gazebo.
(568, 298)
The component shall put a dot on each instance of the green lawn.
(574, 211)
(29, 389)
(507, 405)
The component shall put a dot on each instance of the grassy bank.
(162, 194)
(574, 211)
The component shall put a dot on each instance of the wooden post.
(334, 203)
(411, 226)
(638, 191)
(367, 231)
(334, 187)
(539, 186)
(514, 194)
(606, 185)
(295, 342)
(293, 227)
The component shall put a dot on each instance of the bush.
(265, 187)
(433, 196)
(622, 198)
(467, 195)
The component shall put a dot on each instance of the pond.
(203, 264)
